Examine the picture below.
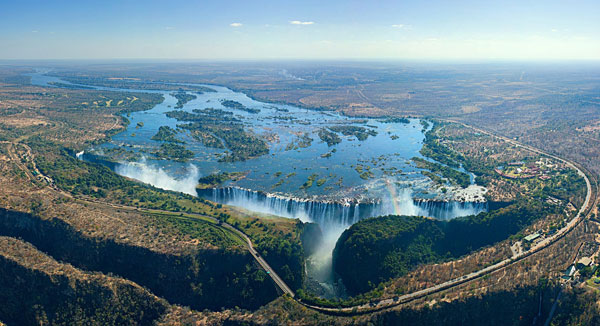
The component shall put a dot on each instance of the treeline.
(377, 249)
(361, 133)
(454, 176)
(216, 179)
(329, 137)
(435, 149)
(519, 306)
(132, 83)
(286, 251)
(33, 297)
(175, 152)
(201, 279)
(395, 120)
(166, 134)
(238, 106)
(182, 98)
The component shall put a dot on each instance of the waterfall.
(156, 176)
(339, 215)
(335, 217)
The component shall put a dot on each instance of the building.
(585, 261)
(570, 271)
(532, 237)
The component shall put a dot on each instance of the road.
(280, 283)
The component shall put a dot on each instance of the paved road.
(280, 283)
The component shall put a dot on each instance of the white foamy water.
(159, 178)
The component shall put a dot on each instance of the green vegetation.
(182, 98)
(281, 248)
(242, 144)
(302, 142)
(395, 120)
(329, 137)
(198, 278)
(217, 127)
(207, 139)
(388, 247)
(166, 134)
(277, 239)
(278, 183)
(217, 179)
(187, 259)
(434, 177)
(364, 171)
(131, 83)
(545, 177)
(238, 106)
(205, 116)
(360, 133)
(117, 154)
(454, 176)
(434, 148)
(95, 180)
(69, 86)
(175, 152)
(309, 181)
(42, 291)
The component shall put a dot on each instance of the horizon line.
(347, 59)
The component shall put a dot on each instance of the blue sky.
(437, 30)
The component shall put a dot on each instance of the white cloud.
(298, 22)
(405, 27)
(169, 28)
(34, 31)
(235, 24)
(554, 30)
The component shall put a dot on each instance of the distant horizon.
(238, 30)
(302, 60)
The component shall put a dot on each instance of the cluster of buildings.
(521, 170)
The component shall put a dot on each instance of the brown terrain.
(558, 117)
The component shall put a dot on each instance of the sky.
(281, 29)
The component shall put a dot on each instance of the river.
(352, 180)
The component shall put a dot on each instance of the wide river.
(338, 197)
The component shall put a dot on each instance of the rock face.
(338, 214)
(38, 290)
(312, 238)
(377, 249)
(204, 279)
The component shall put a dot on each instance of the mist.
(159, 178)
(332, 218)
